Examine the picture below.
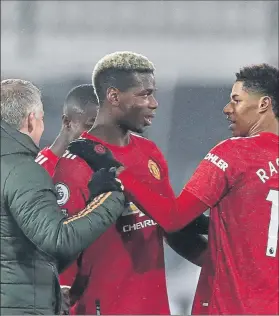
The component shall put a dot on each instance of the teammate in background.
(79, 113)
(238, 180)
(123, 273)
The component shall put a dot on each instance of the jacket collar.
(20, 138)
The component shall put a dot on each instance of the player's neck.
(60, 144)
(106, 129)
(110, 133)
(268, 126)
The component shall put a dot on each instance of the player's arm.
(214, 176)
(162, 208)
(171, 213)
(187, 242)
(80, 282)
(48, 160)
(208, 184)
(189, 245)
(34, 208)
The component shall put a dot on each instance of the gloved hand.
(104, 181)
(95, 154)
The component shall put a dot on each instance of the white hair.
(19, 98)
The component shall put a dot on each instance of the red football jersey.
(48, 160)
(238, 179)
(125, 266)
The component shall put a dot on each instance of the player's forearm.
(170, 213)
(78, 287)
(156, 206)
(201, 224)
(189, 245)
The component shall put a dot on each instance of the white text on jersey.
(139, 225)
(272, 169)
(217, 161)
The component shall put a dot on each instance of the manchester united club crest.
(154, 169)
(100, 149)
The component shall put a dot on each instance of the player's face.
(242, 111)
(81, 122)
(137, 106)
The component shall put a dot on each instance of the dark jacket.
(37, 240)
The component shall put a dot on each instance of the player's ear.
(31, 122)
(113, 96)
(66, 122)
(264, 103)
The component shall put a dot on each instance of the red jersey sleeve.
(71, 177)
(211, 180)
(216, 174)
(161, 204)
(48, 160)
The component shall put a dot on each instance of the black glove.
(104, 181)
(95, 154)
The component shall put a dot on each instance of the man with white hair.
(37, 239)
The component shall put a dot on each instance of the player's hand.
(95, 154)
(65, 306)
(104, 181)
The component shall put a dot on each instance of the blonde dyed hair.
(125, 61)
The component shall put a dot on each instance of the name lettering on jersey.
(270, 170)
(154, 169)
(217, 161)
(63, 193)
(139, 225)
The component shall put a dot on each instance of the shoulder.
(152, 151)
(29, 169)
(72, 167)
(237, 143)
(136, 138)
(46, 154)
(231, 152)
(145, 143)
(30, 176)
(69, 160)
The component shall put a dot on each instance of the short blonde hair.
(19, 98)
(111, 65)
